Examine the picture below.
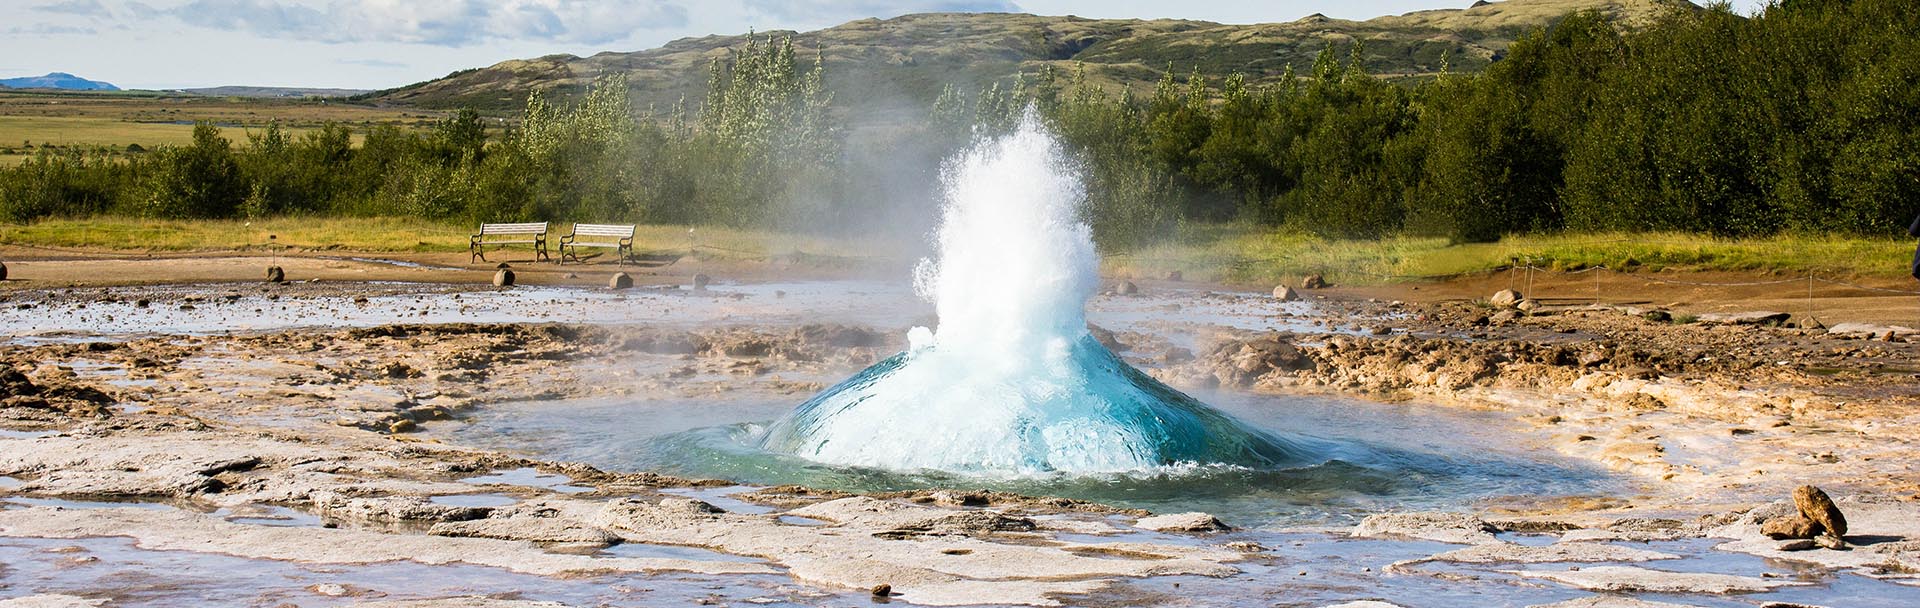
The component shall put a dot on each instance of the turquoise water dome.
(1010, 382)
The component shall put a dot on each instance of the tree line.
(1803, 118)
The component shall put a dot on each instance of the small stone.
(503, 278)
(1505, 298)
(882, 590)
(1285, 294)
(700, 282)
(1527, 305)
(402, 426)
(1313, 281)
(1831, 542)
(3, 271)
(1798, 544)
(1126, 288)
(1815, 505)
(275, 274)
(620, 280)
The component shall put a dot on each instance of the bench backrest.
(619, 230)
(528, 228)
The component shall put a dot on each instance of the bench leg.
(476, 250)
(541, 248)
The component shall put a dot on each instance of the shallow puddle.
(474, 500)
(27, 501)
(674, 552)
(529, 477)
(131, 577)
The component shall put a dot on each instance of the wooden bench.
(532, 233)
(618, 237)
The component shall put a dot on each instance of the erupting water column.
(1011, 382)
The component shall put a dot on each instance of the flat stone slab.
(1555, 553)
(1629, 578)
(1756, 317)
(1457, 528)
(1609, 601)
(1181, 522)
(52, 600)
(1870, 330)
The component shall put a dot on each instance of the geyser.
(1011, 382)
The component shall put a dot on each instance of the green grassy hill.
(878, 67)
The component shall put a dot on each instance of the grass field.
(378, 234)
(117, 119)
(1235, 254)
(1246, 255)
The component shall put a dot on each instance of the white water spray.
(1010, 381)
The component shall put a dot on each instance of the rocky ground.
(1720, 421)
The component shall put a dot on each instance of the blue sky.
(385, 43)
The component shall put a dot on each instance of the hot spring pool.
(1371, 456)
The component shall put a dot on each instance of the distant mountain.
(57, 80)
(295, 92)
(875, 65)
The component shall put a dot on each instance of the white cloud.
(84, 8)
(48, 29)
(436, 22)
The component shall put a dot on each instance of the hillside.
(874, 64)
(57, 80)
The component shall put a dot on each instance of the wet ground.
(90, 508)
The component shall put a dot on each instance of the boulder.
(1818, 508)
(503, 278)
(700, 282)
(3, 271)
(1527, 305)
(1182, 522)
(1126, 288)
(1791, 527)
(1285, 294)
(275, 274)
(1505, 298)
(620, 280)
(1313, 281)
(1106, 338)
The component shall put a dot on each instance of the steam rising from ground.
(1011, 381)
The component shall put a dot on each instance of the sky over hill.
(384, 43)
